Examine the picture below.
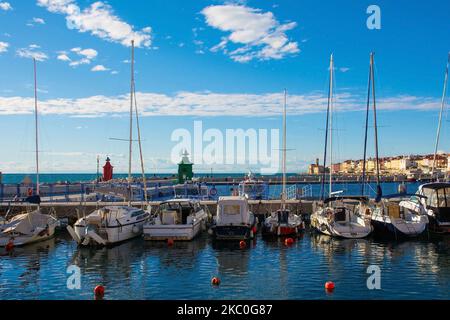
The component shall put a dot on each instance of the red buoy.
(9, 246)
(170, 242)
(288, 241)
(329, 286)
(99, 292)
(242, 244)
(215, 281)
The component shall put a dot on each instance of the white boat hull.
(22, 240)
(111, 235)
(348, 230)
(185, 232)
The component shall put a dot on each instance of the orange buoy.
(329, 286)
(215, 281)
(170, 242)
(99, 292)
(288, 241)
(242, 244)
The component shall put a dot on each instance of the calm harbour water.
(415, 269)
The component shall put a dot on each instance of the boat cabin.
(178, 211)
(437, 199)
(232, 210)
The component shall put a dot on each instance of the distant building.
(315, 168)
(408, 165)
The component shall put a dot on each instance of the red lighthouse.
(107, 170)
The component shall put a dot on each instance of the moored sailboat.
(113, 224)
(283, 222)
(31, 226)
(339, 216)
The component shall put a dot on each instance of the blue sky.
(223, 62)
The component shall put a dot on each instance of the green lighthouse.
(185, 168)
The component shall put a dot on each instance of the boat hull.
(114, 234)
(390, 229)
(354, 231)
(176, 232)
(24, 240)
(236, 232)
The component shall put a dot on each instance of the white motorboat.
(109, 225)
(406, 218)
(178, 219)
(344, 217)
(252, 188)
(234, 220)
(27, 228)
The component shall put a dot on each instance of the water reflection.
(265, 269)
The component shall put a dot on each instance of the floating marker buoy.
(215, 281)
(329, 286)
(170, 242)
(288, 241)
(242, 244)
(99, 292)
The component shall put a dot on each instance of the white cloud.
(99, 20)
(83, 56)
(257, 35)
(209, 104)
(114, 72)
(63, 57)
(6, 6)
(3, 46)
(344, 69)
(35, 21)
(39, 20)
(32, 52)
(99, 68)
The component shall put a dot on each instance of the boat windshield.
(231, 209)
(437, 198)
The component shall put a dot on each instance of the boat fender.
(135, 229)
(9, 246)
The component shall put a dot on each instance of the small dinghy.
(234, 220)
(109, 225)
(178, 219)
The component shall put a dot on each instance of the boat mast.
(330, 102)
(377, 161)
(36, 127)
(440, 118)
(283, 195)
(144, 179)
(131, 121)
(363, 185)
(326, 137)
